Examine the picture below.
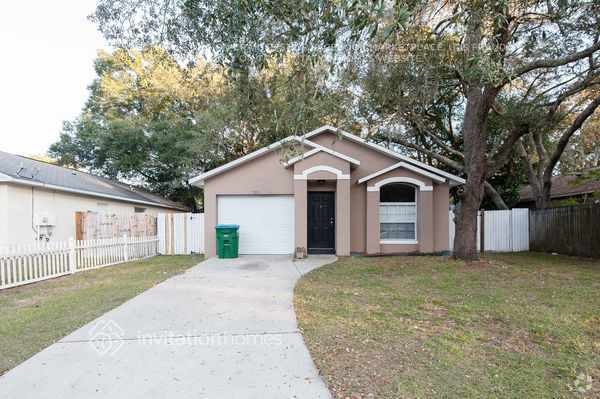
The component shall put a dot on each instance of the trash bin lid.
(227, 226)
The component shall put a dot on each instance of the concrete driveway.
(223, 329)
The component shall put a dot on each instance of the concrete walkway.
(224, 329)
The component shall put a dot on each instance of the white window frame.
(401, 241)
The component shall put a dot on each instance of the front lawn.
(36, 315)
(512, 326)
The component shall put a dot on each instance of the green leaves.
(154, 122)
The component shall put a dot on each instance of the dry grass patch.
(515, 325)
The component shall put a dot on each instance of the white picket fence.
(504, 231)
(180, 233)
(24, 264)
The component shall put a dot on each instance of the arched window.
(398, 212)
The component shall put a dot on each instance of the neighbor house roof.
(564, 186)
(199, 180)
(22, 170)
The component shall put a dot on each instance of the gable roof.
(318, 149)
(564, 186)
(22, 170)
(383, 150)
(405, 165)
(199, 180)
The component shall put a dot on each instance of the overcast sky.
(47, 51)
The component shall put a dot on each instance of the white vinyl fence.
(24, 264)
(504, 231)
(180, 233)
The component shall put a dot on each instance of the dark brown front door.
(321, 222)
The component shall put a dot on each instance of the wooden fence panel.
(195, 233)
(569, 230)
(498, 231)
(503, 230)
(92, 225)
(520, 229)
(180, 233)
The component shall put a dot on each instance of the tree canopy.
(473, 86)
(155, 122)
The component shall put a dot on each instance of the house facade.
(339, 194)
(38, 201)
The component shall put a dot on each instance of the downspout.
(37, 234)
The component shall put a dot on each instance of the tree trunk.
(478, 104)
(465, 239)
(542, 194)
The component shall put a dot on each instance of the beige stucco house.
(38, 200)
(339, 194)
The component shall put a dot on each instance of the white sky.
(47, 50)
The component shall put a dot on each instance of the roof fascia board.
(90, 193)
(319, 148)
(384, 150)
(302, 156)
(5, 178)
(402, 165)
(198, 180)
(563, 195)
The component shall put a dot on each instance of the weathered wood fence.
(503, 231)
(569, 230)
(94, 226)
(180, 233)
(24, 264)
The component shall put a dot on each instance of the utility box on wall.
(44, 219)
(44, 225)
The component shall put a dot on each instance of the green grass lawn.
(512, 326)
(36, 315)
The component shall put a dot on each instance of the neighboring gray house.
(40, 199)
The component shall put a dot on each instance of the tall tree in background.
(145, 121)
(549, 137)
(155, 122)
(497, 54)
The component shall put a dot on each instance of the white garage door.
(266, 222)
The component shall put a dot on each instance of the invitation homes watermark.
(107, 338)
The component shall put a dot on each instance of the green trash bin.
(227, 240)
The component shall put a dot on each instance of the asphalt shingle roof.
(31, 170)
(564, 186)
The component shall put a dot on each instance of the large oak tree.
(488, 50)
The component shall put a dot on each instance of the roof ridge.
(62, 167)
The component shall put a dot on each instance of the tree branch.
(555, 62)
(494, 196)
(566, 136)
(575, 88)
(531, 176)
(439, 142)
(506, 149)
(446, 161)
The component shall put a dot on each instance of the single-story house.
(569, 188)
(338, 194)
(38, 200)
